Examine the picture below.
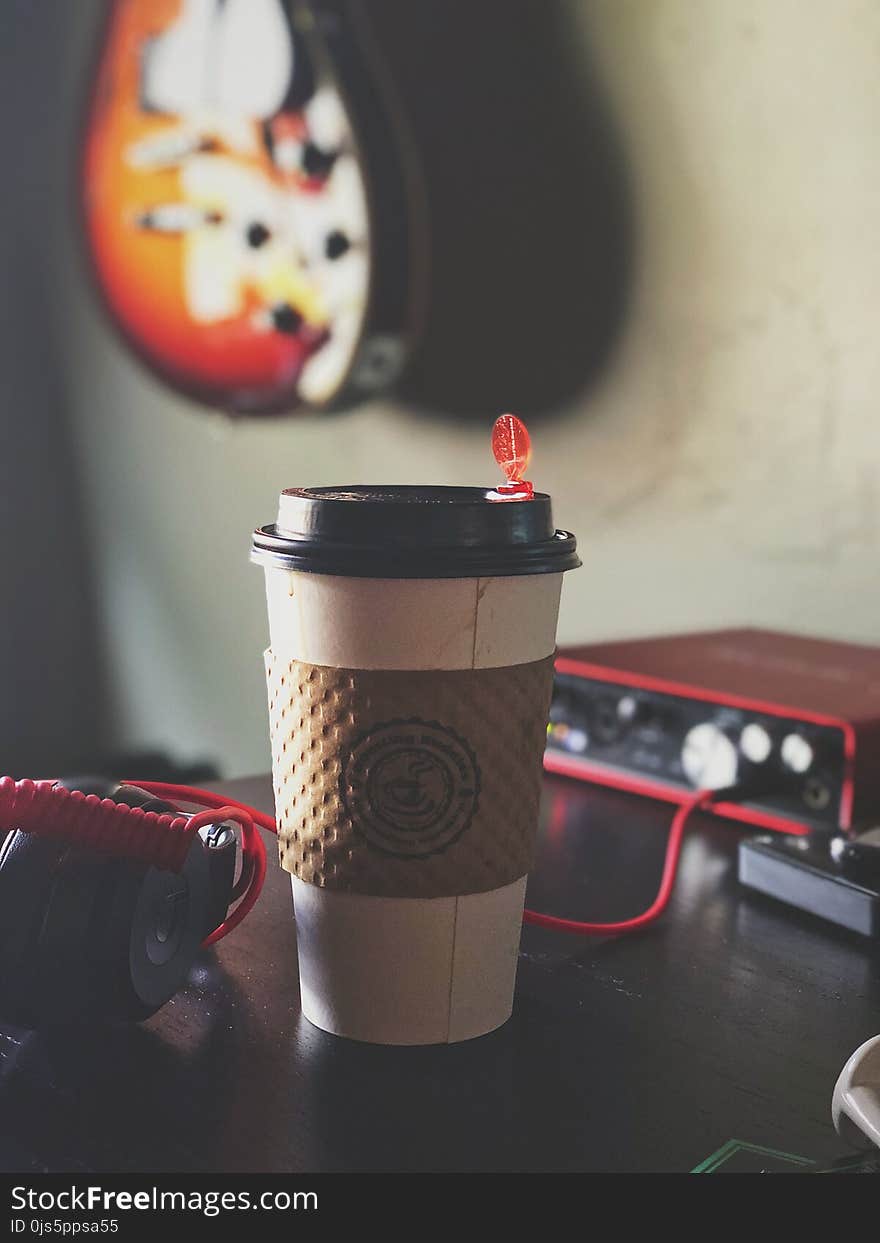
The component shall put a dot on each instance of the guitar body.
(245, 208)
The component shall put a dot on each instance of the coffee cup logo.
(411, 787)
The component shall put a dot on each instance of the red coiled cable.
(50, 810)
(163, 839)
(160, 839)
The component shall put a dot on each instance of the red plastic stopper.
(512, 447)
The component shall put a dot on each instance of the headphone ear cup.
(46, 893)
(150, 924)
(51, 895)
(169, 923)
(147, 928)
(111, 941)
(85, 936)
(70, 976)
(26, 879)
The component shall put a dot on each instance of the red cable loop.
(253, 850)
(225, 805)
(667, 880)
(163, 839)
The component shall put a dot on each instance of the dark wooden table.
(729, 1020)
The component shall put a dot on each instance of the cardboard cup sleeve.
(407, 783)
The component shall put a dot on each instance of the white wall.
(724, 472)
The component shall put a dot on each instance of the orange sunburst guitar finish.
(226, 209)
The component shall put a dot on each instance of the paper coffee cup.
(412, 633)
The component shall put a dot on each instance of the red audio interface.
(794, 718)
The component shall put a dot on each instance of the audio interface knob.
(755, 743)
(709, 757)
(611, 718)
(798, 753)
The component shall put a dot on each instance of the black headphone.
(86, 936)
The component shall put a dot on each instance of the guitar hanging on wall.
(247, 210)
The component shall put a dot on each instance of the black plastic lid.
(414, 532)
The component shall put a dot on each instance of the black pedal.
(831, 877)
